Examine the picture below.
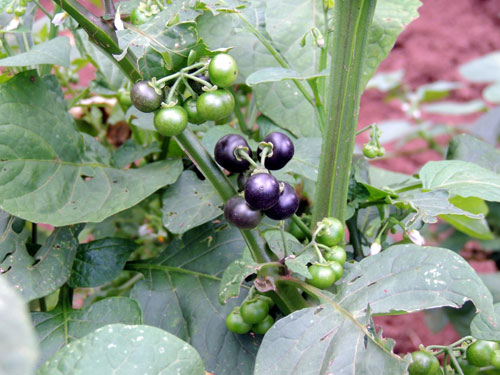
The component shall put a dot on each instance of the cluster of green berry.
(373, 148)
(479, 355)
(253, 315)
(329, 267)
(193, 97)
(17, 7)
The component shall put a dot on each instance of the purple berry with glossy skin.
(262, 191)
(286, 206)
(224, 153)
(238, 213)
(282, 150)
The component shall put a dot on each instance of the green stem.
(352, 22)
(42, 8)
(53, 31)
(103, 36)
(369, 127)
(354, 236)
(454, 361)
(302, 226)
(281, 60)
(252, 112)
(239, 114)
(241, 153)
(283, 238)
(66, 301)
(200, 157)
(77, 98)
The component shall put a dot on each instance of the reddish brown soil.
(447, 34)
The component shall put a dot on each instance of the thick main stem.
(352, 23)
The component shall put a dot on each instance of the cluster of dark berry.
(263, 193)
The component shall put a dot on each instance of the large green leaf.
(389, 20)
(131, 151)
(475, 227)
(46, 271)
(179, 293)
(189, 202)
(482, 329)
(461, 178)
(173, 42)
(64, 325)
(234, 275)
(109, 78)
(406, 278)
(305, 161)
(224, 30)
(324, 340)
(277, 74)
(54, 51)
(49, 177)
(18, 346)
(429, 205)
(100, 262)
(468, 148)
(125, 350)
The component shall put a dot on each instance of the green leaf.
(54, 51)
(298, 264)
(469, 148)
(455, 108)
(431, 204)
(234, 275)
(436, 90)
(18, 346)
(100, 262)
(64, 325)
(277, 74)
(151, 64)
(461, 178)
(125, 350)
(140, 119)
(49, 177)
(389, 20)
(275, 243)
(227, 30)
(131, 151)
(305, 160)
(45, 272)
(324, 340)
(109, 77)
(188, 203)
(483, 69)
(487, 127)
(180, 290)
(482, 329)
(386, 81)
(174, 41)
(475, 227)
(407, 278)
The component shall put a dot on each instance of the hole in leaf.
(85, 178)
